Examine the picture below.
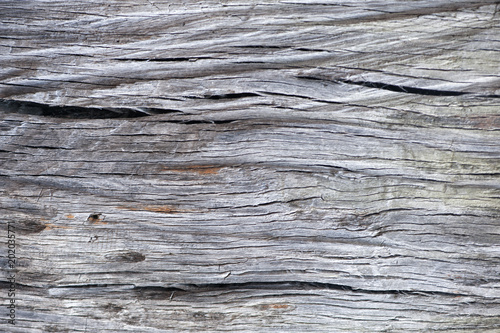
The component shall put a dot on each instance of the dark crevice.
(404, 89)
(314, 78)
(196, 122)
(276, 286)
(490, 96)
(400, 88)
(77, 112)
(287, 285)
(7, 284)
(92, 285)
(59, 175)
(174, 59)
(311, 50)
(45, 147)
(225, 96)
(286, 95)
(301, 96)
(336, 168)
(263, 46)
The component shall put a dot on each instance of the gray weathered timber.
(253, 166)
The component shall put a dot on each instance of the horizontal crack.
(283, 285)
(78, 112)
(400, 88)
(225, 96)
(174, 59)
(286, 285)
(199, 121)
(405, 89)
(263, 46)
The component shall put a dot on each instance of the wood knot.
(95, 218)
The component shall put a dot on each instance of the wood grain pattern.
(251, 165)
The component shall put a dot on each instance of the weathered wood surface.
(252, 166)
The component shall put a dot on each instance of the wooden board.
(251, 166)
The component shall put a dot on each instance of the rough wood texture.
(252, 166)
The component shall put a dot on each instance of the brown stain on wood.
(69, 216)
(488, 122)
(126, 257)
(113, 308)
(50, 226)
(275, 306)
(199, 169)
(31, 226)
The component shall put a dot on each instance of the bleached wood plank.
(248, 166)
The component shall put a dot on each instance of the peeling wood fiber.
(253, 166)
